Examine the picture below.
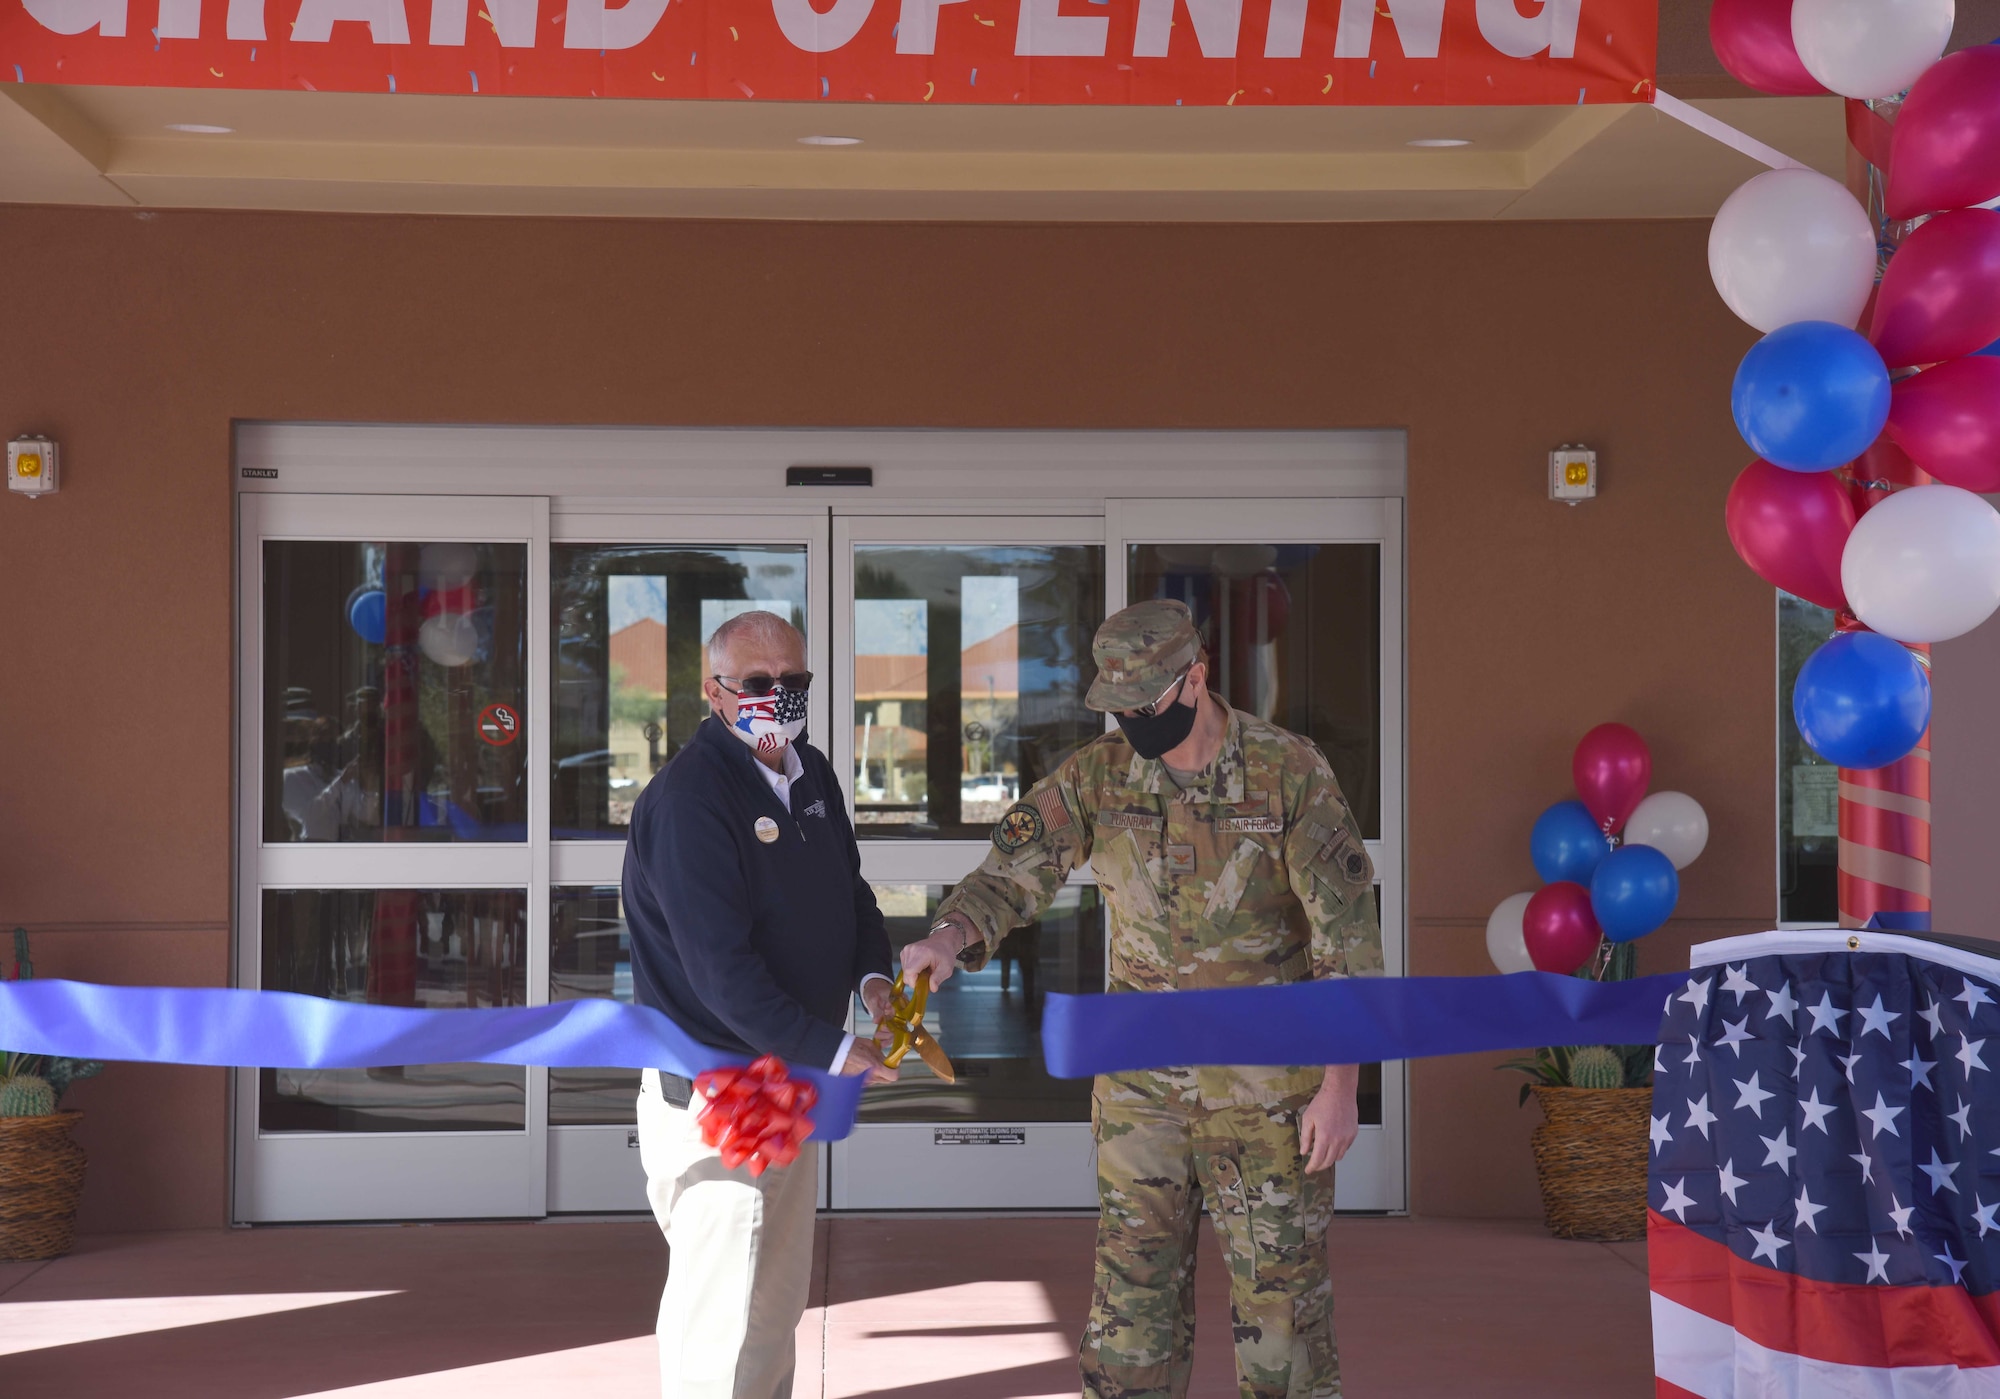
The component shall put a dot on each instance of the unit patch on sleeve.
(1020, 827)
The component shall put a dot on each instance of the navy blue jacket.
(753, 948)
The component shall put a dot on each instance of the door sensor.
(829, 475)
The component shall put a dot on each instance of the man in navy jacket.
(751, 927)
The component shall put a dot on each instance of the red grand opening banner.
(1113, 52)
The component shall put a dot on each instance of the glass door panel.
(590, 958)
(992, 1018)
(392, 697)
(1294, 635)
(1300, 607)
(970, 662)
(631, 622)
(388, 841)
(441, 949)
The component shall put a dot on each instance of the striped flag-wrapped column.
(1885, 813)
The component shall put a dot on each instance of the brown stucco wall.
(135, 339)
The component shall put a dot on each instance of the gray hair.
(766, 627)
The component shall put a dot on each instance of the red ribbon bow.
(758, 1114)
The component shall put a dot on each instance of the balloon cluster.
(1599, 889)
(1837, 416)
(756, 1114)
(448, 631)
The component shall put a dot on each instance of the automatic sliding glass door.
(634, 597)
(961, 656)
(389, 819)
(1300, 606)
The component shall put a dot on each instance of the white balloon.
(1792, 245)
(1870, 48)
(1505, 943)
(1924, 565)
(1673, 823)
(447, 565)
(449, 639)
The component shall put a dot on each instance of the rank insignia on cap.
(1021, 826)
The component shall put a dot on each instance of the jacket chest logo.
(818, 809)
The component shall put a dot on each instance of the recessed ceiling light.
(195, 128)
(1437, 142)
(829, 140)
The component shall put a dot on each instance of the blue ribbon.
(1361, 1020)
(281, 1030)
(1355, 1021)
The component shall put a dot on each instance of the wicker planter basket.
(1590, 1155)
(41, 1177)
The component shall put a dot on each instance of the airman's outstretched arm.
(1036, 844)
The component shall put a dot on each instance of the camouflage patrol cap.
(1140, 652)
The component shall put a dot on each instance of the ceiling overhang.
(629, 158)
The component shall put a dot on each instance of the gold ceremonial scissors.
(905, 1023)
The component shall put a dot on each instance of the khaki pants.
(1158, 1164)
(741, 1258)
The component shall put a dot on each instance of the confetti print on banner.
(1279, 53)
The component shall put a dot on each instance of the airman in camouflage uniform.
(1251, 874)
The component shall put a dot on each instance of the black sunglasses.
(760, 685)
(1147, 711)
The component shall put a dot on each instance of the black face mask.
(1158, 734)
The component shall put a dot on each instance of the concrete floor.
(902, 1309)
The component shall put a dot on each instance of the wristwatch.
(968, 935)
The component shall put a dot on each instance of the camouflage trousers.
(1158, 1164)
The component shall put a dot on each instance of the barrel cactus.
(26, 1095)
(1596, 1066)
(31, 1085)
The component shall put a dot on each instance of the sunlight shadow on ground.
(26, 1326)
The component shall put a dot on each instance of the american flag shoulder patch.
(1055, 815)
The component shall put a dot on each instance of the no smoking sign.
(499, 725)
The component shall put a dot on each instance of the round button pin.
(767, 829)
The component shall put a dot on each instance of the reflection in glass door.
(388, 698)
(965, 645)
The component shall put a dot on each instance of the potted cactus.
(41, 1166)
(1591, 1149)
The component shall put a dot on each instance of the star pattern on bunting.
(1849, 1076)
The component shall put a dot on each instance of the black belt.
(676, 1091)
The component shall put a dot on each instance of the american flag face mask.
(770, 722)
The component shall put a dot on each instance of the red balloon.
(1790, 527)
(1945, 153)
(1940, 297)
(1948, 419)
(1559, 929)
(1753, 38)
(1612, 768)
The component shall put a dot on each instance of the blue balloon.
(1994, 348)
(1862, 700)
(1567, 843)
(1633, 892)
(1811, 396)
(368, 614)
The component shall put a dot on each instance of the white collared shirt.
(781, 780)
